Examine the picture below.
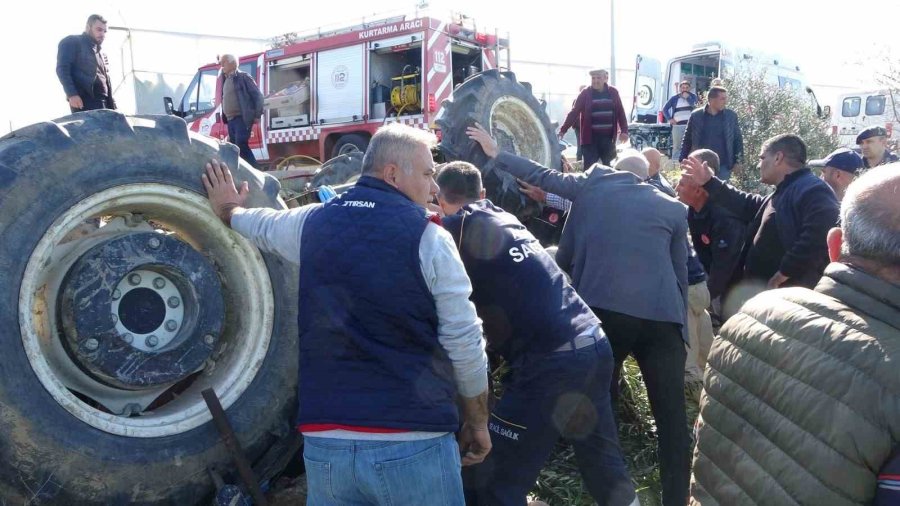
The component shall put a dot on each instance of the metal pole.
(612, 42)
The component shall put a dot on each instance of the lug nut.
(171, 326)
(154, 242)
(91, 344)
(116, 295)
(174, 302)
(115, 319)
(159, 283)
(134, 279)
(151, 341)
(209, 339)
(128, 338)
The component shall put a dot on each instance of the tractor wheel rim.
(519, 129)
(239, 351)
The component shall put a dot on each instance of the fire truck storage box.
(290, 121)
(294, 94)
(291, 110)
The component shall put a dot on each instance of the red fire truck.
(327, 93)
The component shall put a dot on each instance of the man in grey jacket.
(801, 402)
(625, 247)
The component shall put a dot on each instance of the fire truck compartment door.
(340, 85)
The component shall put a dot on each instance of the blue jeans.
(398, 473)
(239, 135)
(549, 396)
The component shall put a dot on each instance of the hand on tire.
(75, 102)
(478, 134)
(224, 198)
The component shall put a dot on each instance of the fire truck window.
(850, 108)
(200, 95)
(206, 95)
(875, 105)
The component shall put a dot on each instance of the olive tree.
(765, 110)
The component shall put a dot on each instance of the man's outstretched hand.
(478, 134)
(224, 198)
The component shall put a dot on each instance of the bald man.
(654, 158)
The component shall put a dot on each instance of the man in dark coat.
(83, 70)
(242, 105)
(715, 127)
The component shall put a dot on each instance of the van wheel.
(122, 297)
(498, 102)
(350, 143)
(340, 170)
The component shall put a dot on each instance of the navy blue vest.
(369, 351)
(518, 290)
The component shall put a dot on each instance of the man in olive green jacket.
(801, 401)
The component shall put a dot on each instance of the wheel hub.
(141, 310)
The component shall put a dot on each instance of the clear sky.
(828, 39)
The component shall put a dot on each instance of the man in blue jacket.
(560, 360)
(715, 127)
(388, 336)
(82, 68)
(242, 105)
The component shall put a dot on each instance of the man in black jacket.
(82, 68)
(715, 127)
(242, 105)
(785, 241)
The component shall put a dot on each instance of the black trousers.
(600, 148)
(659, 351)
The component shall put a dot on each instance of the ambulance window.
(851, 107)
(875, 105)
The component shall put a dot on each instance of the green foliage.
(765, 110)
(283, 40)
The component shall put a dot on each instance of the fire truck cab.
(327, 93)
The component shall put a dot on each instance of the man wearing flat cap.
(839, 169)
(601, 118)
(873, 143)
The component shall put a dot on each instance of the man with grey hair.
(242, 105)
(801, 402)
(388, 336)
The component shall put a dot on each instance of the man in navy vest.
(388, 336)
(560, 361)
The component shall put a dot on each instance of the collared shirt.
(100, 82)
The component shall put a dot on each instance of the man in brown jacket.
(801, 402)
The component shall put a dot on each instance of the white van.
(859, 110)
(654, 85)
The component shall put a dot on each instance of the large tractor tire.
(122, 297)
(506, 108)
